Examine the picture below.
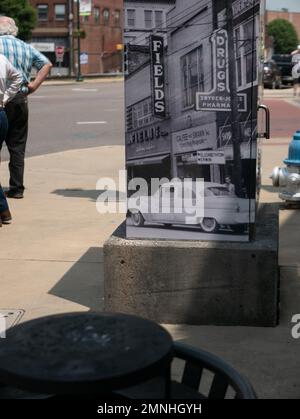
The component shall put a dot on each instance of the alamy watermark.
(158, 196)
(296, 327)
(2, 326)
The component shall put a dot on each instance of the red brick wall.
(51, 23)
(101, 39)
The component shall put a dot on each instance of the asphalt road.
(285, 116)
(91, 114)
(75, 116)
(157, 231)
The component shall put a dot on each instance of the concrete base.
(200, 283)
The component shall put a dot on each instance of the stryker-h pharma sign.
(218, 99)
(158, 76)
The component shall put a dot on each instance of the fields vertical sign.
(158, 76)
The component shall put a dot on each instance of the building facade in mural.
(205, 81)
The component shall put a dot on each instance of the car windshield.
(218, 191)
(283, 59)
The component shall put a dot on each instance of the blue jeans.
(3, 132)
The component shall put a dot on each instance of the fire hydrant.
(288, 178)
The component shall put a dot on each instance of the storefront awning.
(148, 161)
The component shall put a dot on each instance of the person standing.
(10, 83)
(24, 58)
(230, 186)
(296, 69)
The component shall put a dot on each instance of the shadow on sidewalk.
(114, 196)
(83, 283)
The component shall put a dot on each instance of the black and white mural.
(191, 96)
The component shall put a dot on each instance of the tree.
(23, 13)
(284, 35)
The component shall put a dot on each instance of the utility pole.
(71, 46)
(235, 124)
(79, 76)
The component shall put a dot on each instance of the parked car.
(220, 208)
(272, 75)
(284, 63)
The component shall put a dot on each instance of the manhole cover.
(12, 317)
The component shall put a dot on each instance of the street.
(74, 116)
(182, 232)
(285, 112)
(84, 115)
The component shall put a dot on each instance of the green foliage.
(23, 13)
(284, 34)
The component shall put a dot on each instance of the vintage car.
(221, 208)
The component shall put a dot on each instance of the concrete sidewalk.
(51, 254)
(51, 261)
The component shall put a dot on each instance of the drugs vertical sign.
(158, 76)
(218, 99)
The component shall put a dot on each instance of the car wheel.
(238, 228)
(137, 219)
(209, 225)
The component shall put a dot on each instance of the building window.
(148, 19)
(42, 11)
(106, 16)
(131, 18)
(96, 14)
(246, 53)
(250, 51)
(117, 17)
(60, 11)
(158, 19)
(140, 115)
(192, 76)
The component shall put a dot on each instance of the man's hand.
(31, 87)
(40, 77)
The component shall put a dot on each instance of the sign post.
(59, 54)
(80, 8)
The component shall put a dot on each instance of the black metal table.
(84, 354)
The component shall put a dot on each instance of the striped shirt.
(22, 56)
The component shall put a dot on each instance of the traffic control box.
(193, 79)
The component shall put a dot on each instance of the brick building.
(100, 45)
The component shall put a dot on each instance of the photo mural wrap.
(191, 98)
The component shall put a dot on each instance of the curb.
(74, 82)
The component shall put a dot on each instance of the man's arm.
(40, 77)
(14, 82)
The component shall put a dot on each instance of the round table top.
(83, 353)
